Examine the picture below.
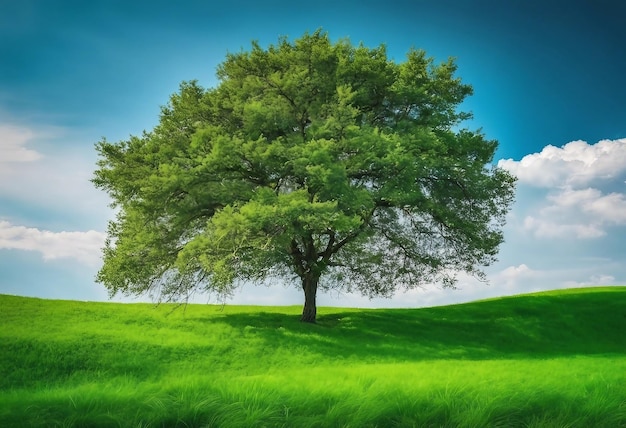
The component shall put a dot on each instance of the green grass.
(553, 359)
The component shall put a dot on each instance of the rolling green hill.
(546, 359)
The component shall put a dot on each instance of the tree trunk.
(309, 285)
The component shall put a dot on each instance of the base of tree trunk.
(308, 317)
(309, 286)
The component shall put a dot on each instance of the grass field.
(553, 359)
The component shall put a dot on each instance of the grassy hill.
(548, 359)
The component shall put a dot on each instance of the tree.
(321, 161)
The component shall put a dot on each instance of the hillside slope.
(53, 353)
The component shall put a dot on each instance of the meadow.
(555, 359)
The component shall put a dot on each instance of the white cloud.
(512, 274)
(573, 198)
(593, 280)
(575, 164)
(582, 214)
(12, 142)
(544, 228)
(605, 209)
(610, 208)
(85, 247)
(54, 179)
(577, 203)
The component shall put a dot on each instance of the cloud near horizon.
(84, 247)
(585, 188)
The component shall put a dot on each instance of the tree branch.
(327, 253)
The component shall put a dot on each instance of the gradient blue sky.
(548, 78)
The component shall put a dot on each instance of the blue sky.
(548, 85)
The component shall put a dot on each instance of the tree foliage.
(321, 161)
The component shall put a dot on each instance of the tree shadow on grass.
(539, 326)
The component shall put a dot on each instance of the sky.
(548, 79)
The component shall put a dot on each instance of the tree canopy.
(322, 162)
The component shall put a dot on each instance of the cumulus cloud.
(609, 208)
(512, 274)
(575, 164)
(605, 208)
(84, 247)
(13, 140)
(577, 178)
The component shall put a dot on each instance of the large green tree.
(324, 162)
